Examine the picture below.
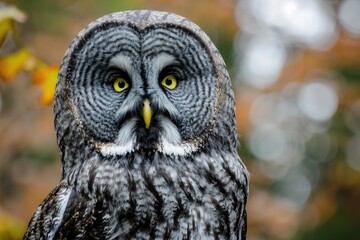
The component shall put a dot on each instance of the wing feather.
(67, 214)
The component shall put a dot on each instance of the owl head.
(143, 82)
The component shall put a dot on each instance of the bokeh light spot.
(273, 144)
(349, 16)
(268, 143)
(305, 21)
(295, 188)
(318, 101)
(263, 61)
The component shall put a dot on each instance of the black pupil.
(121, 84)
(168, 81)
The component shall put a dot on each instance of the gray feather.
(179, 179)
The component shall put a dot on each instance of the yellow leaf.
(5, 27)
(11, 12)
(11, 227)
(12, 63)
(46, 76)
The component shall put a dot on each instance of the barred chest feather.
(171, 198)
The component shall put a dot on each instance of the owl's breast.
(171, 196)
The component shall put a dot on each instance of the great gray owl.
(145, 123)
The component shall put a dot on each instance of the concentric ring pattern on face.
(143, 55)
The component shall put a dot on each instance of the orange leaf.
(46, 76)
(11, 64)
(5, 27)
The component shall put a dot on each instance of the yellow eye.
(120, 84)
(169, 82)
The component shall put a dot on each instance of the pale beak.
(147, 113)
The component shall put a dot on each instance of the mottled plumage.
(177, 176)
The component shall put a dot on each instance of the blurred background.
(295, 67)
